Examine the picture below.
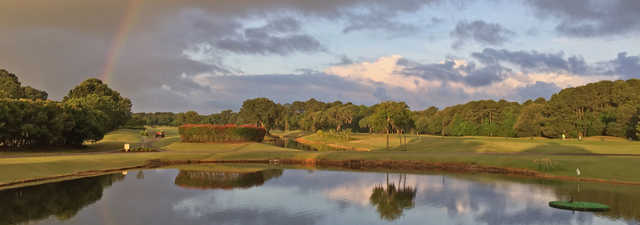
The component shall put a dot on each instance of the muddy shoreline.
(364, 165)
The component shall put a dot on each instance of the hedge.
(201, 133)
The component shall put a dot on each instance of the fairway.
(563, 157)
(439, 144)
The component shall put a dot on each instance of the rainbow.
(120, 40)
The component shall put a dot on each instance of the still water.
(209, 194)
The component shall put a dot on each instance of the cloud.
(461, 71)
(626, 66)
(579, 18)
(533, 61)
(623, 66)
(539, 89)
(480, 32)
(152, 42)
(384, 70)
(377, 20)
(344, 60)
(279, 36)
(282, 88)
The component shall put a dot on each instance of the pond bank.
(363, 165)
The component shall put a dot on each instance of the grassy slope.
(437, 144)
(518, 153)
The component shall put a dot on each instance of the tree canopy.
(10, 87)
(27, 119)
(608, 108)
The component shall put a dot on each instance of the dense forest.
(87, 113)
(606, 108)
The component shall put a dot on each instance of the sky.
(208, 56)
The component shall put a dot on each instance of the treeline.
(606, 108)
(202, 133)
(87, 113)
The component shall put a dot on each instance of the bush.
(221, 133)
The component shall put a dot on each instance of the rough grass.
(565, 156)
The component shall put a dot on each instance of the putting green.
(579, 206)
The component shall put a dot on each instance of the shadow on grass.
(555, 148)
(440, 145)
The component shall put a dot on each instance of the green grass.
(291, 133)
(368, 141)
(438, 144)
(488, 151)
(580, 206)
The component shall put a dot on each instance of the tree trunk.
(387, 138)
(286, 125)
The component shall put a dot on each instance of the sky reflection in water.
(278, 196)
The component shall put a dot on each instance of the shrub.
(221, 133)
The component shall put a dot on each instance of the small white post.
(127, 147)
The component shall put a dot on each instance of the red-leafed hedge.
(221, 133)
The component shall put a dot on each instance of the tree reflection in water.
(391, 200)
(224, 180)
(62, 199)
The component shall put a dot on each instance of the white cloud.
(382, 71)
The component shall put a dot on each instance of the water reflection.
(224, 180)
(253, 195)
(391, 200)
(62, 200)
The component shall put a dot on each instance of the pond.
(251, 194)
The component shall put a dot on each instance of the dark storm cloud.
(590, 18)
(468, 74)
(276, 37)
(55, 46)
(481, 32)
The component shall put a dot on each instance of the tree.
(340, 115)
(422, 119)
(531, 121)
(394, 115)
(10, 88)
(638, 129)
(99, 96)
(34, 94)
(260, 111)
(9, 85)
(83, 122)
